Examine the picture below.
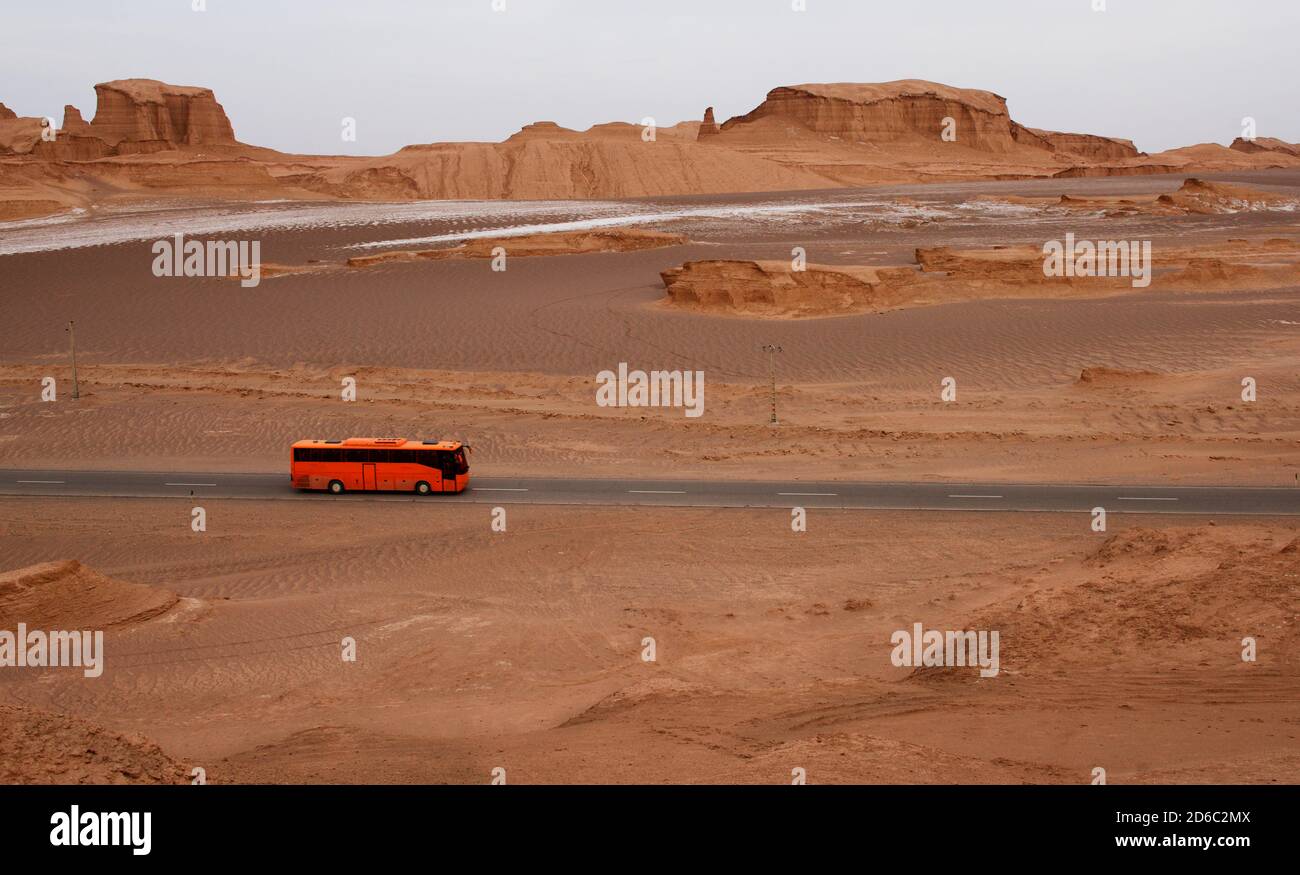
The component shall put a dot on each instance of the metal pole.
(771, 373)
(72, 342)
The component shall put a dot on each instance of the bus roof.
(386, 443)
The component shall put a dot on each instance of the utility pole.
(771, 351)
(72, 342)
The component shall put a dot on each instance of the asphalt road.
(1212, 500)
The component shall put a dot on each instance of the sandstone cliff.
(1087, 146)
(146, 109)
(132, 116)
(907, 109)
(800, 137)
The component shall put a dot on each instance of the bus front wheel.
(422, 488)
(336, 486)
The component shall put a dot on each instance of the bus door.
(447, 462)
(368, 476)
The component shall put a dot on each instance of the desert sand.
(187, 373)
(522, 649)
(488, 320)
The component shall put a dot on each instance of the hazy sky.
(1162, 72)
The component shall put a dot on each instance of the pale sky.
(1163, 73)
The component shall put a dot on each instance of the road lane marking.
(807, 493)
(1144, 498)
(496, 489)
(974, 496)
(658, 491)
(41, 481)
(189, 484)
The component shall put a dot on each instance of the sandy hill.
(149, 139)
(1165, 599)
(68, 595)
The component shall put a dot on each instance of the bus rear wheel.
(423, 488)
(336, 486)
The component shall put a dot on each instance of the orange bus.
(379, 465)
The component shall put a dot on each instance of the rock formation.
(708, 127)
(73, 123)
(18, 133)
(772, 288)
(70, 147)
(800, 137)
(132, 117)
(1265, 144)
(908, 109)
(944, 274)
(145, 109)
(1088, 146)
(6, 113)
(1213, 198)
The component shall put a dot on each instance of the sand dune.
(1160, 598)
(56, 595)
